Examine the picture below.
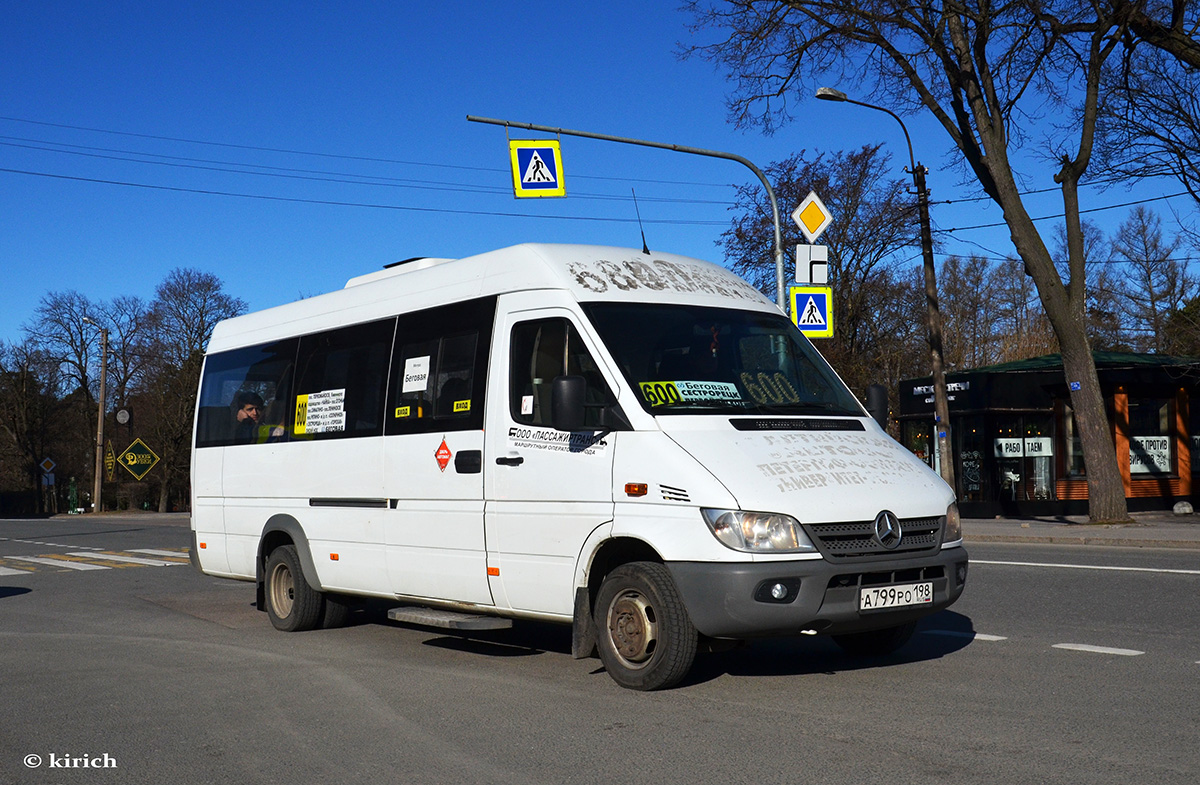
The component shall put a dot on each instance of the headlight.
(953, 524)
(757, 532)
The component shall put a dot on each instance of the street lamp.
(96, 487)
(941, 405)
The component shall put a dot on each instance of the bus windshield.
(686, 359)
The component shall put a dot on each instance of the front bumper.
(728, 600)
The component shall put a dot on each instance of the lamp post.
(941, 404)
(96, 487)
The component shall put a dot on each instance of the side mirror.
(877, 404)
(566, 403)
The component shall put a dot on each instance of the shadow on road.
(937, 636)
(12, 591)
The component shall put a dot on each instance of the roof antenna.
(645, 248)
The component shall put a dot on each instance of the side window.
(440, 368)
(341, 382)
(541, 351)
(245, 396)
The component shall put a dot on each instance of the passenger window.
(342, 382)
(440, 369)
(541, 351)
(245, 397)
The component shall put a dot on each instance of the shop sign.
(1010, 448)
(1036, 446)
(1149, 454)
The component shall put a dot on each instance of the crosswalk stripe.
(94, 556)
(156, 552)
(66, 563)
(11, 571)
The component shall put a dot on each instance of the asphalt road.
(1042, 673)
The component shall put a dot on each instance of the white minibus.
(639, 445)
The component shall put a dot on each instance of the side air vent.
(674, 494)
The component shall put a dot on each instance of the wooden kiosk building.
(1014, 442)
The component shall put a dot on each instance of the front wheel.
(292, 604)
(876, 643)
(645, 636)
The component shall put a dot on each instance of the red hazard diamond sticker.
(443, 455)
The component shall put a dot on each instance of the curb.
(1120, 542)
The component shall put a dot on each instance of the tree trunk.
(1106, 490)
(1065, 308)
(164, 493)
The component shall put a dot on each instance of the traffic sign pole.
(98, 485)
(780, 294)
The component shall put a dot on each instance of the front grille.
(844, 541)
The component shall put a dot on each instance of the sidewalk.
(1149, 530)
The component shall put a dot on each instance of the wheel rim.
(632, 628)
(283, 591)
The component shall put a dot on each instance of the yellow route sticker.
(660, 393)
(462, 406)
(301, 415)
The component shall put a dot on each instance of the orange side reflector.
(333, 557)
(636, 489)
(494, 572)
(203, 545)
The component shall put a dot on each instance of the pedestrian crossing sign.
(812, 310)
(536, 167)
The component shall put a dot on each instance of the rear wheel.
(292, 604)
(876, 643)
(644, 634)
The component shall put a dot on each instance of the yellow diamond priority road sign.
(812, 217)
(138, 459)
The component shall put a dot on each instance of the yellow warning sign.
(138, 459)
(110, 461)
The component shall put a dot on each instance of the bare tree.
(970, 309)
(985, 72)
(28, 405)
(1104, 299)
(130, 327)
(187, 306)
(60, 331)
(1022, 328)
(1156, 284)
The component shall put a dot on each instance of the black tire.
(292, 604)
(335, 611)
(876, 643)
(643, 632)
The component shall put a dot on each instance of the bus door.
(547, 490)
(434, 454)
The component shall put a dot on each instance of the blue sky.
(374, 90)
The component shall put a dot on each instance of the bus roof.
(588, 272)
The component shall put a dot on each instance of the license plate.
(897, 596)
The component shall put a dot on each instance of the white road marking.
(11, 571)
(978, 636)
(156, 552)
(129, 559)
(1086, 567)
(70, 565)
(1098, 649)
